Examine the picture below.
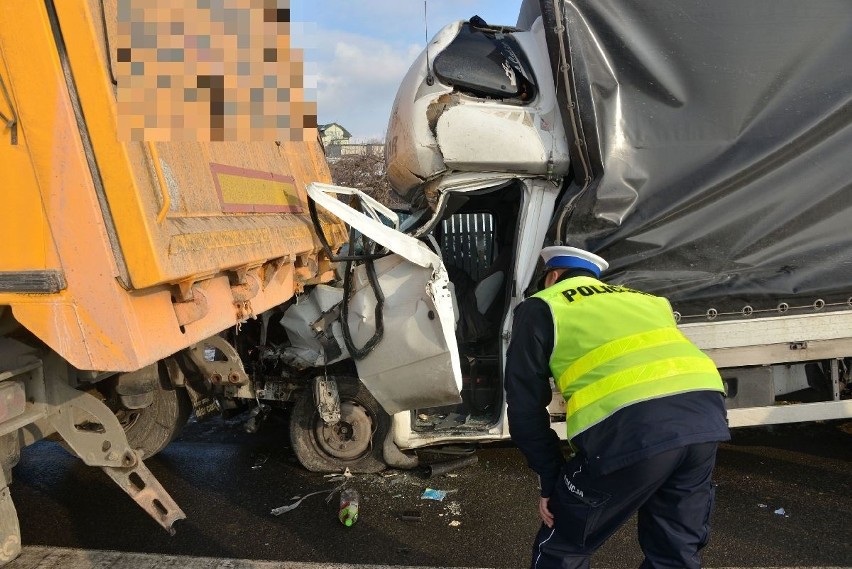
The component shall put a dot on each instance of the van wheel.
(355, 442)
(150, 429)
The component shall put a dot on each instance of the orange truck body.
(117, 254)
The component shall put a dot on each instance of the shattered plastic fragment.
(455, 523)
(432, 494)
(780, 511)
(762, 506)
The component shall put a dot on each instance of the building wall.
(336, 150)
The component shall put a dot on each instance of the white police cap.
(562, 257)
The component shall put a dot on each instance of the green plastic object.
(349, 514)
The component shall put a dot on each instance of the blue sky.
(358, 51)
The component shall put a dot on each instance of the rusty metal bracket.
(184, 290)
(245, 284)
(88, 427)
(306, 268)
(193, 309)
(327, 398)
(138, 482)
(93, 433)
(244, 287)
(247, 290)
(273, 268)
(218, 372)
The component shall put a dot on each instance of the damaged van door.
(396, 315)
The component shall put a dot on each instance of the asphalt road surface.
(784, 499)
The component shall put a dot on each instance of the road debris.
(260, 461)
(455, 523)
(448, 466)
(410, 516)
(432, 494)
(780, 512)
(289, 507)
(338, 476)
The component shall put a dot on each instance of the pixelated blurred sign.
(209, 70)
(242, 190)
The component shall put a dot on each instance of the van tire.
(356, 442)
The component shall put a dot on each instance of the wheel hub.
(127, 417)
(349, 438)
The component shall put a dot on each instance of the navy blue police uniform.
(653, 457)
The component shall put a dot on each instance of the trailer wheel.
(354, 443)
(150, 429)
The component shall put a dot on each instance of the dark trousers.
(672, 492)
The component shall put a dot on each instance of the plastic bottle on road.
(348, 513)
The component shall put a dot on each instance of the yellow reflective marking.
(617, 348)
(244, 190)
(644, 373)
(239, 190)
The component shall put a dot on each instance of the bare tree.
(364, 168)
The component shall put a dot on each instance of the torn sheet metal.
(308, 346)
(299, 499)
(718, 134)
(416, 364)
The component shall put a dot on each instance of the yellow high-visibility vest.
(614, 346)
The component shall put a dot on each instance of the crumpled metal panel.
(412, 366)
(719, 135)
(412, 155)
(416, 363)
(305, 349)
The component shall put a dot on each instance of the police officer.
(644, 412)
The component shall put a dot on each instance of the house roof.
(322, 128)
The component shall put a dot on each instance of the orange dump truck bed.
(117, 254)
